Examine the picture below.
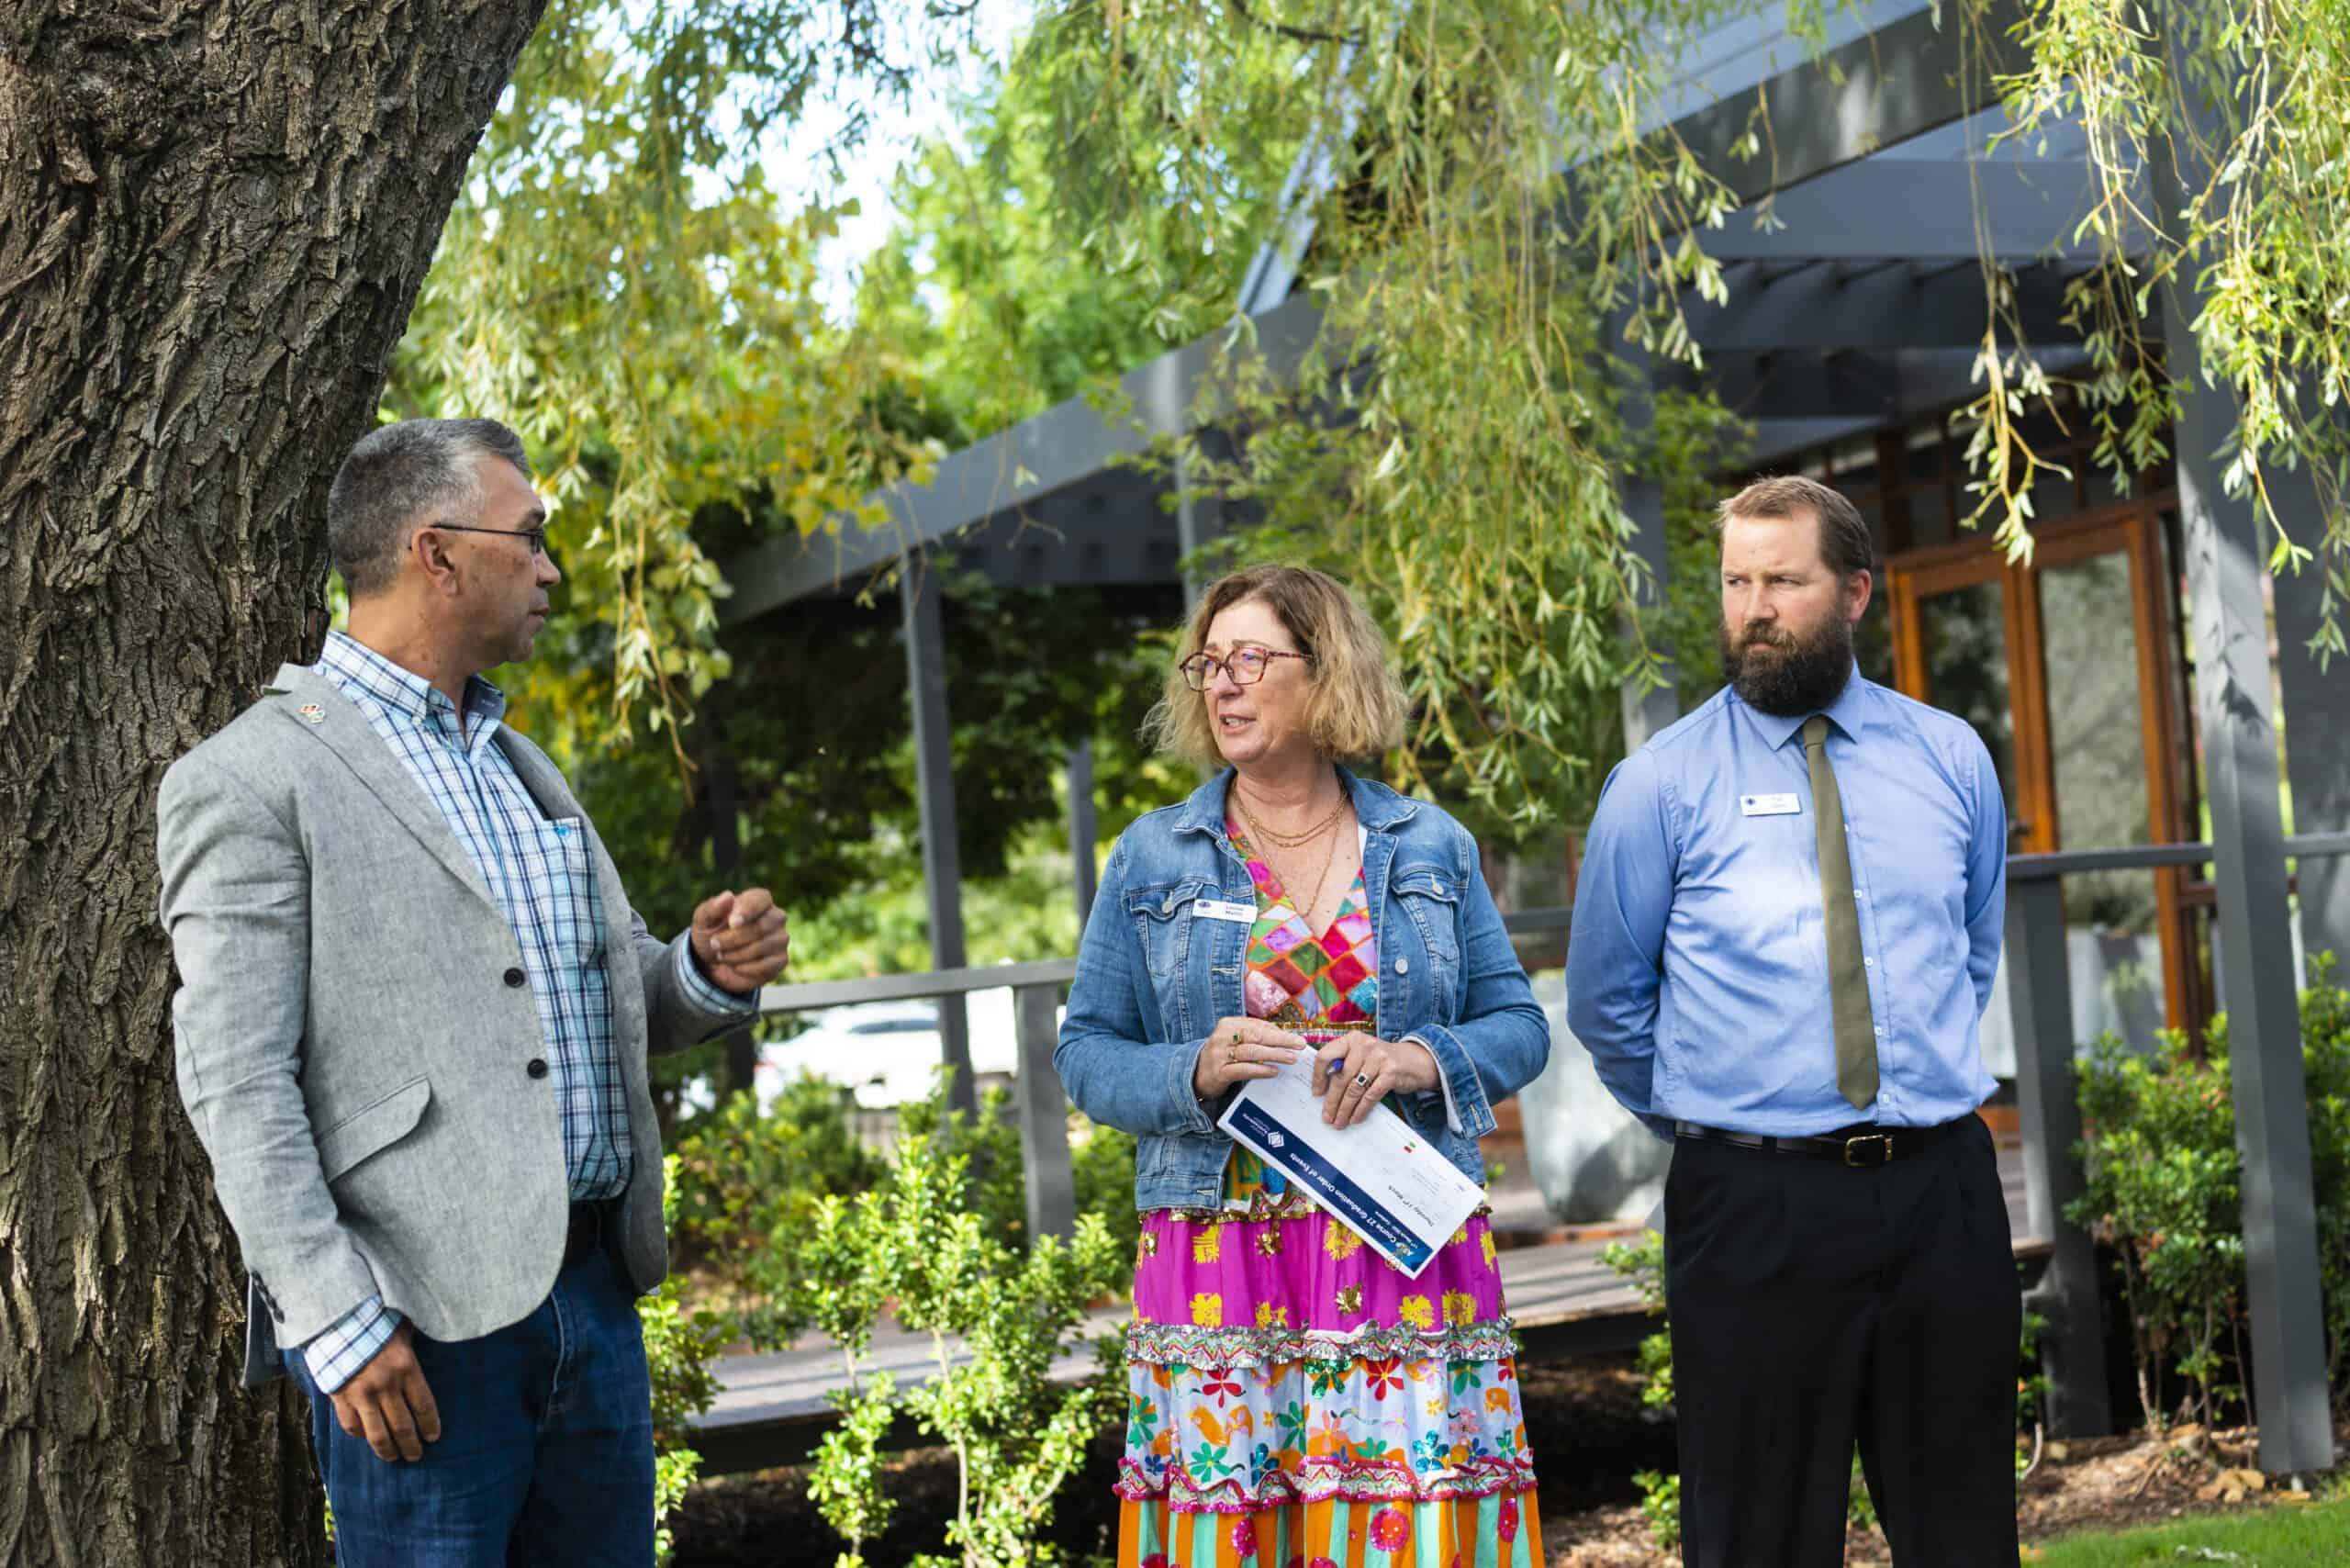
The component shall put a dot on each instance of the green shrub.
(2163, 1191)
(924, 1242)
(747, 1184)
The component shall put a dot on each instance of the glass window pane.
(1966, 638)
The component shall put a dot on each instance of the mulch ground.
(1590, 1433)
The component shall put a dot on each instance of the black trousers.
(1815, 1307)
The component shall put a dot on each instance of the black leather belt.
(1858, 1145)
(594, 1225)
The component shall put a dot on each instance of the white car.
(887, 1052)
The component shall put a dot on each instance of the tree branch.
(1301, 35)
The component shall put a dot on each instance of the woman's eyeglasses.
(1245, 666)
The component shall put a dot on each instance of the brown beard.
(1798, 675)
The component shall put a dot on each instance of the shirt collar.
(362, 671)
(1848, 712)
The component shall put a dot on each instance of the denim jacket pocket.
(1162, 918)
(1430, 897)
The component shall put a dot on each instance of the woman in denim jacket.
(1293, 1394)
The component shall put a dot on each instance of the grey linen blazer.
(356, 1037)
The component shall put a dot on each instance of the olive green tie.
(1848, 980)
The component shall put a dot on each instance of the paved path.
(1564, 1300)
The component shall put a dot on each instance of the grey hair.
(400, 477)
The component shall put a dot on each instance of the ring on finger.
(1362, 1080)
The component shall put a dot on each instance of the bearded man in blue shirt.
(1785, 930)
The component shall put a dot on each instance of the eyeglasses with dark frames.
(537, 536)
(1245, 665)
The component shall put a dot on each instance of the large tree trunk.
(214, 216)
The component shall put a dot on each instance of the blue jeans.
(546, 1445)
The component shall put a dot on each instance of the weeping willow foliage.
(1511, 233)
(618, 281)
(1502, 247)
(2219, 147)
(1501, 254)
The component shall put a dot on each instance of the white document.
(1380, 1178)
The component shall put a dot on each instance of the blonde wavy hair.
(1357, 707)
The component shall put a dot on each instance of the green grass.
(2280, 1536)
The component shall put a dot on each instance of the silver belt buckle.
(1851, 1146)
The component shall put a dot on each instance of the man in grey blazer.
(413, 1019)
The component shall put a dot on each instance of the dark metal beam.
(2317, 721)
(1889, 307)
(942, 865)
(1083, 833)
(2229, 620)
(1007, 473)
(1908, 75)
(1868, 388)
(1919, 209)
(1044, 1114)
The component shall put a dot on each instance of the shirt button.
(515, 977)
(1403, 965)
(538, 1068)
(1868, 963)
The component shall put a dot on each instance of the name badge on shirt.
(1770, 805)
(1217, 909)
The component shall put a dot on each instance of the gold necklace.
(1285, 840)
(1321, 882)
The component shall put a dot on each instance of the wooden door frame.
(2134, 529)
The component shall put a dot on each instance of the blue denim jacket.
(1153, 978)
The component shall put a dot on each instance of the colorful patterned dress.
(1294, 1400)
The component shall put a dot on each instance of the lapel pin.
(314, 714)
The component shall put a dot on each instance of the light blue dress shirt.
(1697, 968)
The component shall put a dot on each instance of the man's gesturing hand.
(741, 939)
(387, 1403)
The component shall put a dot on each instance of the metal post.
(1044, 1115)
(1199, 517)
(720, 781)
(942, 868)
(2040, 1006)
(1083, 829)
(1646, 713)
(2233, 711)
(2317, 724)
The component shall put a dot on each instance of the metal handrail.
(777, 1000)
(917, 987)
(2146, 856)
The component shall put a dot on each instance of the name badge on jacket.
(1217, 909)
(1770, 805)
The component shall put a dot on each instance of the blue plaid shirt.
(543, 878)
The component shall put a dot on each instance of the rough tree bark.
(214, 216)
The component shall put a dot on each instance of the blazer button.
(538, 1068)
(515, 977)
(1403, 965)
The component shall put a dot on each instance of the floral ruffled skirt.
(1292, 1398)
